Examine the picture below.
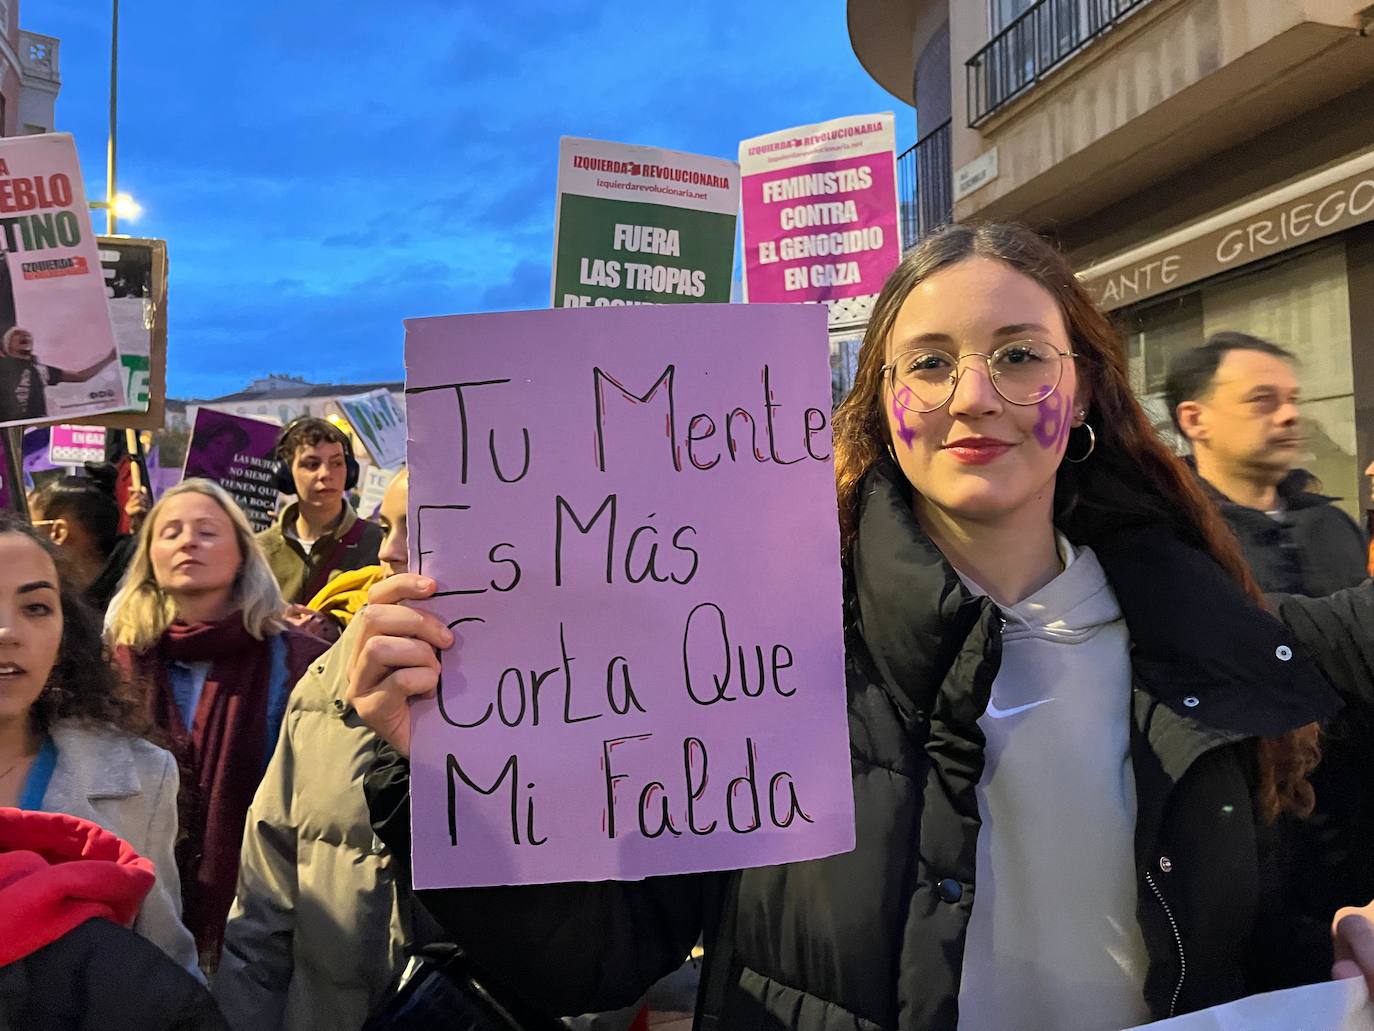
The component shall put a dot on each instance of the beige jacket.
(315, 937)
(129, 787)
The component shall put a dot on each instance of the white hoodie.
(1053, 941)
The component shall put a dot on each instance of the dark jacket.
(1311, 548)
(69, 890)
(353, 544)
(1315, 549)
(103, 977)
(107, 581)
(1333, 851)
(874, 938)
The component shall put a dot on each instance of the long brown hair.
(1132, 477)
(84, 683)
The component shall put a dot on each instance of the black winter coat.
(1332, 853)
(1315, 549)
(103, 977)
(1312, 548)
(874, 938)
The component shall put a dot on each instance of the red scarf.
(220, 756)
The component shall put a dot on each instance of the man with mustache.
(1236, 401)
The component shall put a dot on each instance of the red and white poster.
(57, 347)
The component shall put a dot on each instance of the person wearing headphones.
(319, 535)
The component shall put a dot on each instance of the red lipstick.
(977, 450)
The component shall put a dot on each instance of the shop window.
(844, 363)
(1158, 332)
(1303, 304)
(1300, 302)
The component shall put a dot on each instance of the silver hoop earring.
(1092, 446)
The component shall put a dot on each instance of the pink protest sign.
(630, 514)
(74, 445)
(820, 210)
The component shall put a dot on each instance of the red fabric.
(123, 486)
(57, 872)
(220, 756)
(641, 1021)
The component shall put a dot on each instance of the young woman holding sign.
(199, 620)
(1064, 699)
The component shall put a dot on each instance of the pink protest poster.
(820, 210)
(57, 347)
(630, 514)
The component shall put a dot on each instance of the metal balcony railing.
(925, 185)
(1030, 47)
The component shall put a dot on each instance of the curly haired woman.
(71, 731)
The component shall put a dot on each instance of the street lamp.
(111, 195)
(126, 207)
(115, 204)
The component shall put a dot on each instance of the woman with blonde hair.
(199, 620)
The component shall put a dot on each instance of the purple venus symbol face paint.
(899, 413)
(1051, 427)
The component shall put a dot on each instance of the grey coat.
(129, 787)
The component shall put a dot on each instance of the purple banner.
(237, 454)
(630, 514)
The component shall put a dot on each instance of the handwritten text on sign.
(630, 513)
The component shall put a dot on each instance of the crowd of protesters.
(204, 803)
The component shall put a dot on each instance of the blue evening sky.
(321, 173)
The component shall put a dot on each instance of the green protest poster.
(641, 225)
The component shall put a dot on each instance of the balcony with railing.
(925, 185)
(1029, 48)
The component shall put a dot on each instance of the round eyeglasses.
(1024, 372)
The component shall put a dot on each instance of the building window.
(1016, 68)
(1004, 12)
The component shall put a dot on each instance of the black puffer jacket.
(1315, 549)
(1332, 854)
(1311, 548)
(873, 939)
(103, 977)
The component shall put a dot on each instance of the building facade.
(1206, 164)
(40, 81)
(11, 75)
(279, 399)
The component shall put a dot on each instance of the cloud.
(322, 172)
(527, 286)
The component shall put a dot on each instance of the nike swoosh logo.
(1001, 714)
